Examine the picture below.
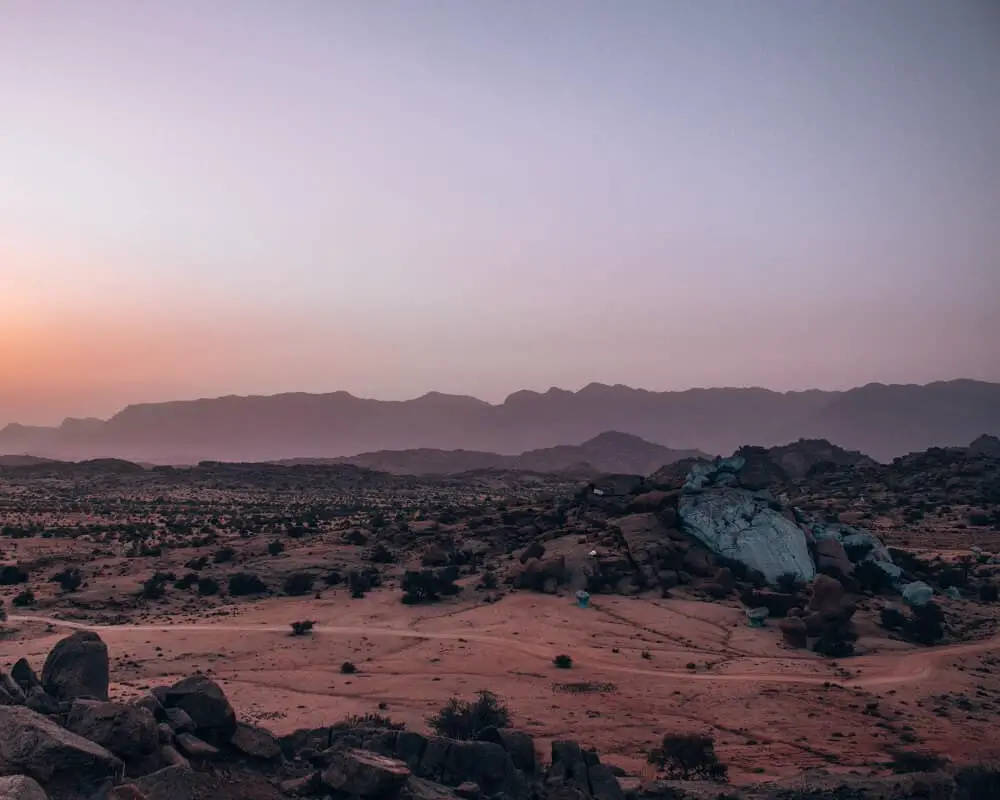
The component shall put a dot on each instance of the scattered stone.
(193, 747)
(794, 632)
(365, 774)
(180, 721)
(255, 742)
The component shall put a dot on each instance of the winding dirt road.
(886, 669)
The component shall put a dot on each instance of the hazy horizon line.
(507, 397)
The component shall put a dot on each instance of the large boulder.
(127, 731)
(255, 742)
(21, 787)
(170, 783)
(742, 526)
(205, 703)
(794, 632)
(827, 595)
(31, 744)
(77, 667)
(644, 535)
(365, 774)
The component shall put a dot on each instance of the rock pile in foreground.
(62, 738)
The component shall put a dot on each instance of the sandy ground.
(641, 668)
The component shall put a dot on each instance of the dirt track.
(910, 667)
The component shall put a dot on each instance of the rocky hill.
(882, 421)
(608, 452)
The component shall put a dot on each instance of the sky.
(393, 197)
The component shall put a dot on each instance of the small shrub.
(275, 547)
(688, 756)
(224, 555)
(367, 722)
(197, 564)
(12, 575)
(563, 661)
(302, 627)
(69, 579)
(156, 586)
(989, 593)
(427, 585)
(892, 619)
(245, 583)
(978, 781)
(463, 719)
(187, 581)
(489, 580)
(25, 598)
(299, 583)
(348, 668)
(381, 554)
(208, 587)
(333, 578)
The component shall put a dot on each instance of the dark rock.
(255, 742)
(518, 744)
(193, 747)
(568, 766)
(41, 701)
(724, 578)
(206, 704)
(170, 783)
(793, 629)
(172, 758)
(34, 745)
(409, 748)
(300, 787)
(12, 693)
(469, 791)
(777, 603)
(127, 731)
(831, 557)
(365, 774)
(25, 675)
(827, 595)
(420, 789)
(179, 720)
(484, 763)
(603, 784)
(21, 787)
(698, 561)
(152, 705)
(433, 760)
(315, 739)
(77, 668)
(165, 733)
(533, 550)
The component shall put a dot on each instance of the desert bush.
(892, 619)
(989, 593)
(688, 756)
(464, 719)
(381, 554)
(208, 587)
(302, 627)
(563, 661)
(978, 781)
(348, 668)
(367, 722)
(69, 579)
(428, 585)
(197, 563)
(25, 598)
(299, 583)
(275, 547)
(904, 761)
(245, 583)
(872, 578)
(187, 581)
(155, 587)
(12, 575)
(333, 578)
(223, 555)
(489, 580)
(926, 626)
(361, 581)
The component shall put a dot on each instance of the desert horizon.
(511, 400)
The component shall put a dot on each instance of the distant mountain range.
(881, 421)
(609, 452)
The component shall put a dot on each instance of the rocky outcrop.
(77, 667)
(21, 787)
(31, 744)
(741, 525)
(205, 703)
(127, 731)
(361, 773)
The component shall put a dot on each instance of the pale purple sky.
(388, 197)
